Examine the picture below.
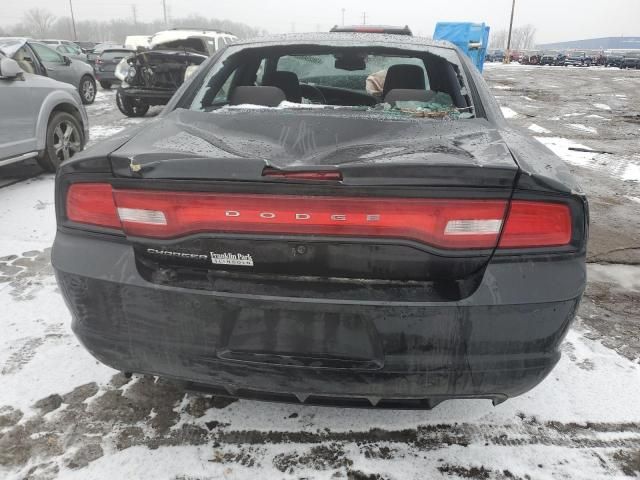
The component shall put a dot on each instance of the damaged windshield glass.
(400, 82)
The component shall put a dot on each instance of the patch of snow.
(573, 114)
(625, 277)
(243, 106)
(598, 117)
(528, 99)
(583, 128)
(100, 132)
(602, 106)
(502, 87)
(35, 322)
(615, 166)
(632, 172)
(509, 113)
(28, 208)
(39, 328)
(560, 146)
(634, 199)
(538, 129)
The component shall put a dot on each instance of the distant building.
(606, 43)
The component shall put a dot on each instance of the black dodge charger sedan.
(339, 218)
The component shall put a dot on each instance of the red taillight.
(453, 224)
(99, 61)
(443, 223)
(533, 224)
(92, 204)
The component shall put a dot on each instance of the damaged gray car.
(151, 77)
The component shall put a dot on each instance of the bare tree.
(117, 30)
(522, 38)
(498, 40)
(38, 21)
(528, 36)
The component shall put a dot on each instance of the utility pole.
(164, 11)
(507, 58)
(135, 16)
(364, 18)
(343, 10)
(73, 21)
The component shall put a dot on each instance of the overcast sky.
(555, 20)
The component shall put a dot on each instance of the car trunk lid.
(272, 198)
(366, 149)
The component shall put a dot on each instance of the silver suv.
(40, 118)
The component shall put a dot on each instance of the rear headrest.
(265, 96)
(403, 76)
(287, 82)
(413, 95)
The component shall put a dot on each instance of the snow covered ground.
(63, 415)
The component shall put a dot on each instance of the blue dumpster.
(471, 38)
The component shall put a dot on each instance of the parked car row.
(576, 58)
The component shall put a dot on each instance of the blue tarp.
(471, 38)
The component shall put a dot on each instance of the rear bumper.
(498, 343)
(106, 77)
(150, 96)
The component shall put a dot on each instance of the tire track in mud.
(76, 428)
(566, 435)
(26, 273)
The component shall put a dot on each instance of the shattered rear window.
(426, 84)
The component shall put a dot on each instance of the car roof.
(345, 39)
(40, 43)
(103, 46)
(184, 33)
(392, 29)
(10, 45)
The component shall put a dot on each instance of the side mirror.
(67, 60)
(10, 69)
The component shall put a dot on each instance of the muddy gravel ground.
(63, 415)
